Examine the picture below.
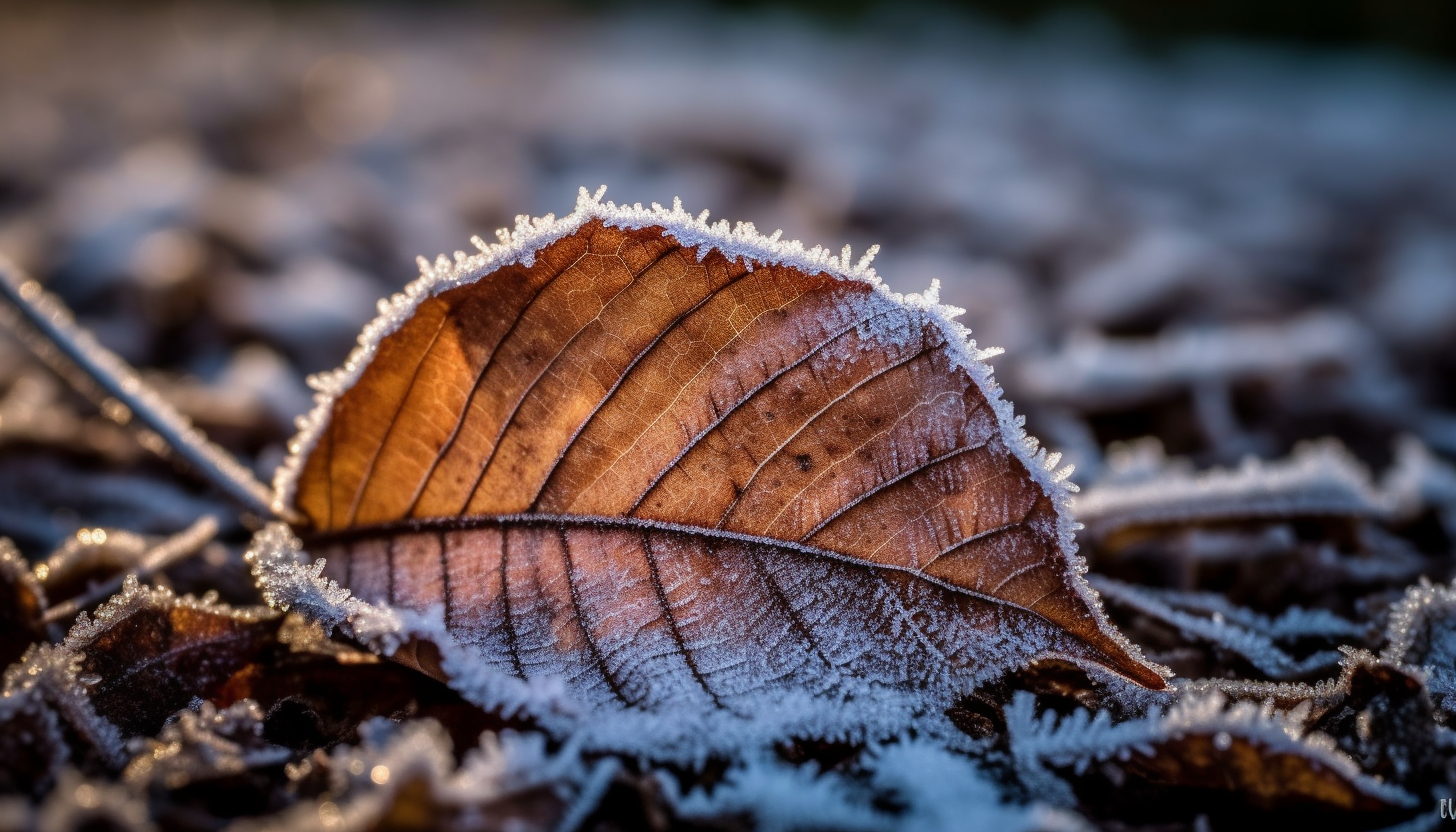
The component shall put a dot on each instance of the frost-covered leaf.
(1201, 752)
(687, 468)
(172, 648)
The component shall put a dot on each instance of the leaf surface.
(673, 464)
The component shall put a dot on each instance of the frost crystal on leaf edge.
(288, 583)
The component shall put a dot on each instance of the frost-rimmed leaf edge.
(737, 242)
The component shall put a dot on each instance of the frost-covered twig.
(50, 329)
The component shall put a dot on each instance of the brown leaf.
(1203, 755)
(149, 652)
(616, 454)
(22, 604)
(32, 748)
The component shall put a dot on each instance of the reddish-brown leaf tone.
(667, 478)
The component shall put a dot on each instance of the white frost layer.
(367, 781)
(1106, 372)
(1080, 740)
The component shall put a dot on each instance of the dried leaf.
(174, 648)
(1263, 758)
(210, 763)
(32, 748)
(676, 465)
(22, 604)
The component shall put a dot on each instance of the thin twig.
(170, 551)
(47, 326)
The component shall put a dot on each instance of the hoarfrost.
(510, 778)
(289, 584)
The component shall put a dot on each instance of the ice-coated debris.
(103, 374)
(1097, 372)
(1306, 701)
(1418, 480)
(203, 744)
(47, 677)
(1318, 479)
(33, 748)
(79, 802)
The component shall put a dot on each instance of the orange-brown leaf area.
(1224, 287)
(677, 479)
